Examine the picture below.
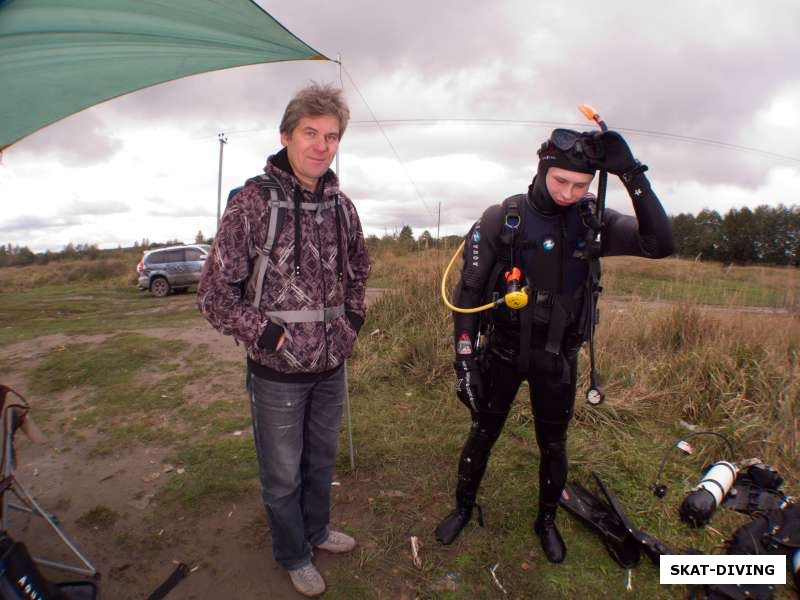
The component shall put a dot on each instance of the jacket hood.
(278, 165)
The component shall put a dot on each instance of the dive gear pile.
(774, 529)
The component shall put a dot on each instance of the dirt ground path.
(229, 547)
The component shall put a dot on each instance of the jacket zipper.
(324, 290)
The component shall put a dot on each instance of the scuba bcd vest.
(560, 263)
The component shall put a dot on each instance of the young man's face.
(311, 147)
(567, 187)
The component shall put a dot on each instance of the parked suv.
(173, 268)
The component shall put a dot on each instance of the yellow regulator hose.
(515, 300)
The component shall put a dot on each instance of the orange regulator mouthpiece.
(513, 275)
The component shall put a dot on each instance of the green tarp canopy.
(60, 56)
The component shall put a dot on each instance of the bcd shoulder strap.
(508, 240)
(275, 196)
(277, 202)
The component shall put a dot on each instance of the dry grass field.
(150, 458)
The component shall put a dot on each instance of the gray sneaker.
(307, 580)
(337, 542)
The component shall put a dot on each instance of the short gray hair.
(316, 100)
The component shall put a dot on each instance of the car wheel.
(159, 287)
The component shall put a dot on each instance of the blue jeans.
(296, 431)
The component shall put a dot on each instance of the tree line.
(12, 255)
(766, 235)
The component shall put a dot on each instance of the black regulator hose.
(659, 489)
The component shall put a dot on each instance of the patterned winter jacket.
(227, 287)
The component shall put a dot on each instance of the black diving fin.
(654, 548)
(601, 517)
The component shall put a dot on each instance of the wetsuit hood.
(550, 156)
(538, 195)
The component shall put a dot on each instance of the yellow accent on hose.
(516, 300)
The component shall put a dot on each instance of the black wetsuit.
(551, 376)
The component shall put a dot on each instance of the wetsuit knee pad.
(480, 442)
(551, 438)
(554, 450)
(552, 441)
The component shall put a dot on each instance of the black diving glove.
(469, 382)
(612, 154)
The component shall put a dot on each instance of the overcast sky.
(145, 165)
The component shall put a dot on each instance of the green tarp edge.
(58, 57)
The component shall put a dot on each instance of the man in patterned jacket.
(286, 277)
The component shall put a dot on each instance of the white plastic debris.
(415, 547)
(493, 571)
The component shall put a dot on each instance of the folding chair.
(13, 555)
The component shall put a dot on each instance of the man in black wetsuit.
(553, 236)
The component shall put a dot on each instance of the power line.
(527, 122)
(388, 141)
(642, 132)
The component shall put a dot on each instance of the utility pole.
(339, 175)
(346, 386)
(438, 222)
(222, 141)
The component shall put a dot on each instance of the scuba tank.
(698, 507)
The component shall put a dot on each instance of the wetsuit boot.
(545, 528)
(452, 524)
(470, 472)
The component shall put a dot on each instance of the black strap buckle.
(637, 170)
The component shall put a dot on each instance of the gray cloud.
(24, 225)
(707, 70)
(697, 70)
(108, 207)
(180, 211)
(80, 140)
